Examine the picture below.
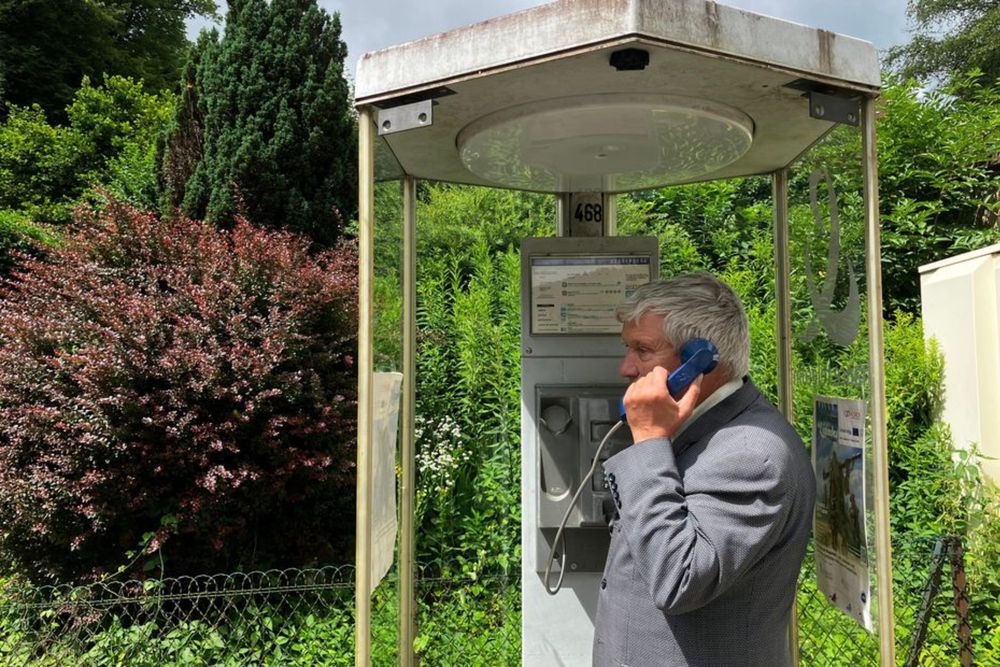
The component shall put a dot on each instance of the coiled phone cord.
(562, 524)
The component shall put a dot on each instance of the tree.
(951, 36)
(278, 133)
(179, 149)
(938, 181)
(108, 140)
(47, 47)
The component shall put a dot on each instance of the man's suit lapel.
(717, 417)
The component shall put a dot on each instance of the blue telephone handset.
(698, 356)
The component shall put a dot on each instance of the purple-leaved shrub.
(189, 390)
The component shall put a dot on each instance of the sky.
(369, 25)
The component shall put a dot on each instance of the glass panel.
(468, 422)
(467, 436)
(388, 276)
(831, 389)
(387, 358)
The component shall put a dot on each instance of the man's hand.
(652, 411)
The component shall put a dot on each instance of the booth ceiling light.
(613, 142)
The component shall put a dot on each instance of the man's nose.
(628, 368)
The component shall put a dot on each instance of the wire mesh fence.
(277, 617)
(306, 617)
(925, 606)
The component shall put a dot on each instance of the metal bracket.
(834, 108)
(830, 103)
(405, 117)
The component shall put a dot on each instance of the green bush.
(40, 165)
(120, 122)
(452, 220)
(19, 235)
(108, 141)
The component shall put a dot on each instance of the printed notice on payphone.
(579, 294)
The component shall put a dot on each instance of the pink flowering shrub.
(185, 390)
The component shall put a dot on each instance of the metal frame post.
(610, 215)
(783, 327)
(876, 372)
(363, 528)
(407, 604)
(782, 291)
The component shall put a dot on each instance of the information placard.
(839, 516)
(579, 294)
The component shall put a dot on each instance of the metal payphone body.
(570, 388)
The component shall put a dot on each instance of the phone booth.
(586, 100)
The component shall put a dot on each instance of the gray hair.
(696, 305)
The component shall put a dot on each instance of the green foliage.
(678, 252)
(278, 137)
(468, 394)
(452, 220)
(476, 623)
(938, 186)
(468, 399)
(40, 165)
(720, 218)
(982, 560)
(462, 621)
(950, 36)
(120, 122)
(108, 141)
(48, 48)
(19, 235)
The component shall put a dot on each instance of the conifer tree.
(179, 150)
(278, 133)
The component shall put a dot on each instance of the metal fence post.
(962, 627)
(930, 593)
(407, 487)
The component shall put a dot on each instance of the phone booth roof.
(535, 100)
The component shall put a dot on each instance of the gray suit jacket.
(708, 540)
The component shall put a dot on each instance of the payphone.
(570, 351)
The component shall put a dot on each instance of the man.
(714, 499)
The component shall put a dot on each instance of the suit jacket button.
(604, 584)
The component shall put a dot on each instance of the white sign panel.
(387, 390)
(578, 295)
